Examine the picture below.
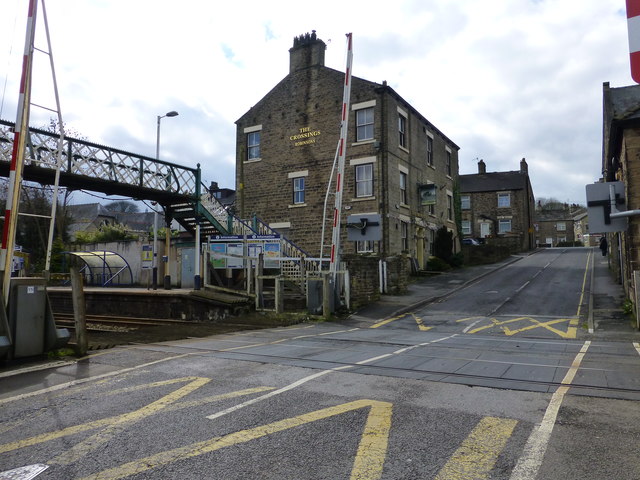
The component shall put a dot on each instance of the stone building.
(498, 204)
(286, 145)
(620, 153)
(557, 227)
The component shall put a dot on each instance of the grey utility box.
(31, 322)
(315, 295)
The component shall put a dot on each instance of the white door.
(485, 229)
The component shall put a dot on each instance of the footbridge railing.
(100, 168)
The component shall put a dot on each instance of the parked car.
(470, 241)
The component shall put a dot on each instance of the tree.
(122, 206)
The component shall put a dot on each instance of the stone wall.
(365, 280)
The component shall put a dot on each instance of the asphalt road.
(472, 387)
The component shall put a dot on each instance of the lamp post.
(154, 277)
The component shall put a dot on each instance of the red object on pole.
(633, 27)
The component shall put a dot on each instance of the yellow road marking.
(368, 463)
(421, 326)
(478, 453)
(584, 283)
(124, 421)
(45, 437)
(388, 320)
(570, 333)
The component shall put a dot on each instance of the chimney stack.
(482, 168)
(307, 51)
(524, 168)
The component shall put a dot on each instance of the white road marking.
(531, 459)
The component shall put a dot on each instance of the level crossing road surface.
(352, 400)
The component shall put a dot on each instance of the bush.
(107, 233)
(435, 264)
(457, 259)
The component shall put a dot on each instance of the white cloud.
(504, 79)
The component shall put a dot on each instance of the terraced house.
(398, 164)
(498, 204)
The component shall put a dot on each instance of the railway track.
(106, 323)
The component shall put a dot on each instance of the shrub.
(435, 264)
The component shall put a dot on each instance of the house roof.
(625, 102)
(493, 182)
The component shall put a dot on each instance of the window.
(364, 124)
(298, 190)
(448, 160)
(403, 188)
(466, 227)
(429, 151)
(561, 226)
(253, 145)
(364, 180)
(404, 235)
(465, 202)
(449, 207)
(431, 209)
(504, 226)
(364, 246)
(402, 130)
(504, 200)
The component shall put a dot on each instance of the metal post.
(196, 278)
(167, 277)
(167, 254)
(154, 275)
(79, 311)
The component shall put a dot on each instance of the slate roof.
(493, 182)
(625, 102)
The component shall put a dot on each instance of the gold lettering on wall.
(305, 136)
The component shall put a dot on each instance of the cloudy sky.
(504, 79)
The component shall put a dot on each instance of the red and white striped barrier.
(633, 27)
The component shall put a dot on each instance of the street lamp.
(167, 278)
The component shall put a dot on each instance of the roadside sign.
(599, 207)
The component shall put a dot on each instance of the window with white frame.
(404, 235)
(364, 180)
(449, 206)
(403, 188)
(465, 202)
(402, 130)
(504, 225)
(364, 124)
(298, 190)
(448, 162)
(561, 226)
(429, 151)
(253, 145)
(466, 227)
(365, 246)
(504, 200)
